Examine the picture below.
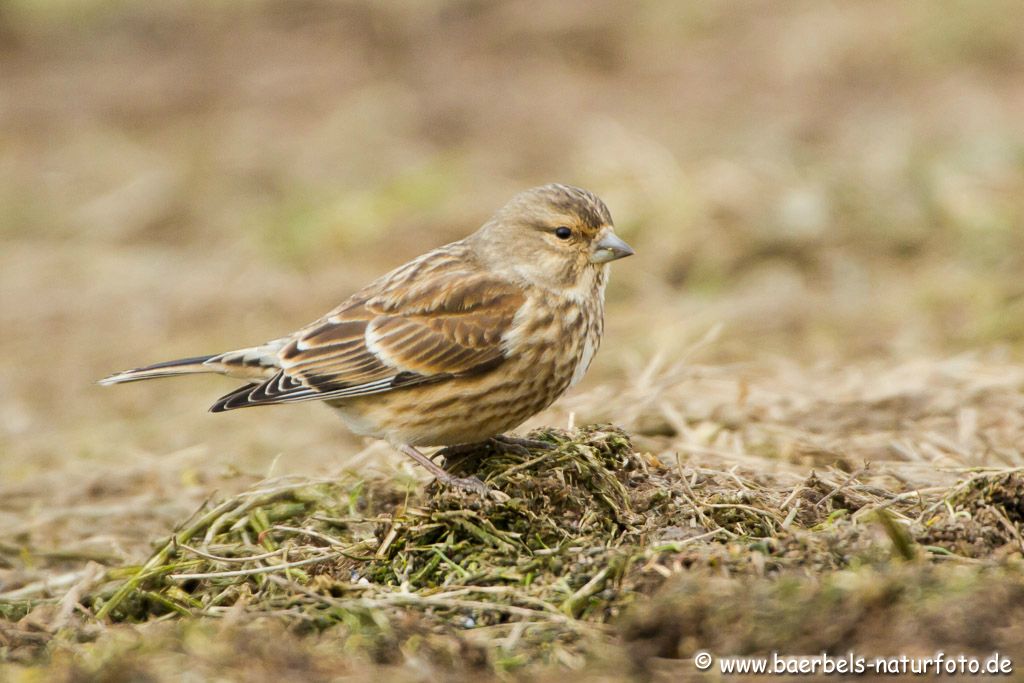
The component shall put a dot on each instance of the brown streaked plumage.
(456, 346)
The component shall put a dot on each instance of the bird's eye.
(563, 233)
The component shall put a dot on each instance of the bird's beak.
(610, 248)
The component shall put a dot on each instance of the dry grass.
(723, 522)
(815, 356)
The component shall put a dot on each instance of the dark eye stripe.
(563, 233)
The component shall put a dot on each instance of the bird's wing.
(426, 322)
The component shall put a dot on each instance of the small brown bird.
(455, 347)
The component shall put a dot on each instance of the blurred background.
(815, 182)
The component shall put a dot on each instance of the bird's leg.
(465, 483)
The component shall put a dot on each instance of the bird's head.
(556, 236)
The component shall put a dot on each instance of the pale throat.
(590, 280)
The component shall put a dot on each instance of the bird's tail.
(181, 366)
(252, 363)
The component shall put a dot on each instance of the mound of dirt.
(587, 530)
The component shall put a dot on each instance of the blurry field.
(827, 203)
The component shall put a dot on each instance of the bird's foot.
(474, 485)
(471, 484)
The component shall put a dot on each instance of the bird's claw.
(474, 485)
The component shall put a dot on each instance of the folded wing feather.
(431, 320)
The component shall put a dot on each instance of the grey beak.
(610, 248)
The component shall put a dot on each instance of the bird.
(455, 347)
